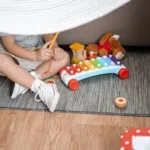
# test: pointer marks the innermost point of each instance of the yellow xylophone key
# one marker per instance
(89, 64)
(83, 66)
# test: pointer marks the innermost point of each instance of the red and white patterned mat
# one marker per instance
(135, 139)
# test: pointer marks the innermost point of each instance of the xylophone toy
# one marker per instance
(71, 75)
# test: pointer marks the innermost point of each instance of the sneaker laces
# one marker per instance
(37, 76)
(41, 90)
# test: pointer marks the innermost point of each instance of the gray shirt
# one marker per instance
(27, 41)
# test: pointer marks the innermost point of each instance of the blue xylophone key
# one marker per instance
(109, 61)
(102, 61)
(117, 62)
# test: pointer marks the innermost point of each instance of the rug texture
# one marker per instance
(96, 94)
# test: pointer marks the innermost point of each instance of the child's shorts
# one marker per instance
(26, 64)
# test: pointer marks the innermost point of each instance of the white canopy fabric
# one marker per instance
(28, 17)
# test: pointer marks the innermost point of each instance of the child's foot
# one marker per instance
(18, 89)
(48, 93)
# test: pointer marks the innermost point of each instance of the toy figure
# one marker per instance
(109, 44)
(79, 53)
(91, 50)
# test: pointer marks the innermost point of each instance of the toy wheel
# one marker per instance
(123, 73)
(73, 84)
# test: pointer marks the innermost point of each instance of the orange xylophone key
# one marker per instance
(83, 66)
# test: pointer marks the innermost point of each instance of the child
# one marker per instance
(26, 59)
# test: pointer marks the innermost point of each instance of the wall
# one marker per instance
(131, 22)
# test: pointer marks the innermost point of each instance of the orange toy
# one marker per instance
(120, 102)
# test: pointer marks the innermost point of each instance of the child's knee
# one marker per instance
(66, 59)
(4, 59)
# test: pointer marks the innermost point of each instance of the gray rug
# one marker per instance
(96, 94)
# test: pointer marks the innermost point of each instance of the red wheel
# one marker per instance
(123, 73)
(73, 84)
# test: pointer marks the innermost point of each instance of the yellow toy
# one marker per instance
(79, 53)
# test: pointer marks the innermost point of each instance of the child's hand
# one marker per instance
(59, 53)
(44, 53)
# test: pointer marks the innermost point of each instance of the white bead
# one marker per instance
(126, 142)
(74, 65)
(121, 136)
(137, 131)
(71, 72)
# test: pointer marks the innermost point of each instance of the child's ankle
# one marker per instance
(36, 83)
(35, 75)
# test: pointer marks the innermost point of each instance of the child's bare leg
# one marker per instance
(55, 67)
(14, 72)
(46, 92)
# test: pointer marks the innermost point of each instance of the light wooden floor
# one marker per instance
(26, 130)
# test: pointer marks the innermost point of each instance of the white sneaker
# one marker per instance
(47, 93)
(18, 89)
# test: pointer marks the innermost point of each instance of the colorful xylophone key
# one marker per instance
(89, 64)
(108, 60)
(117, 62)
(95, 63)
